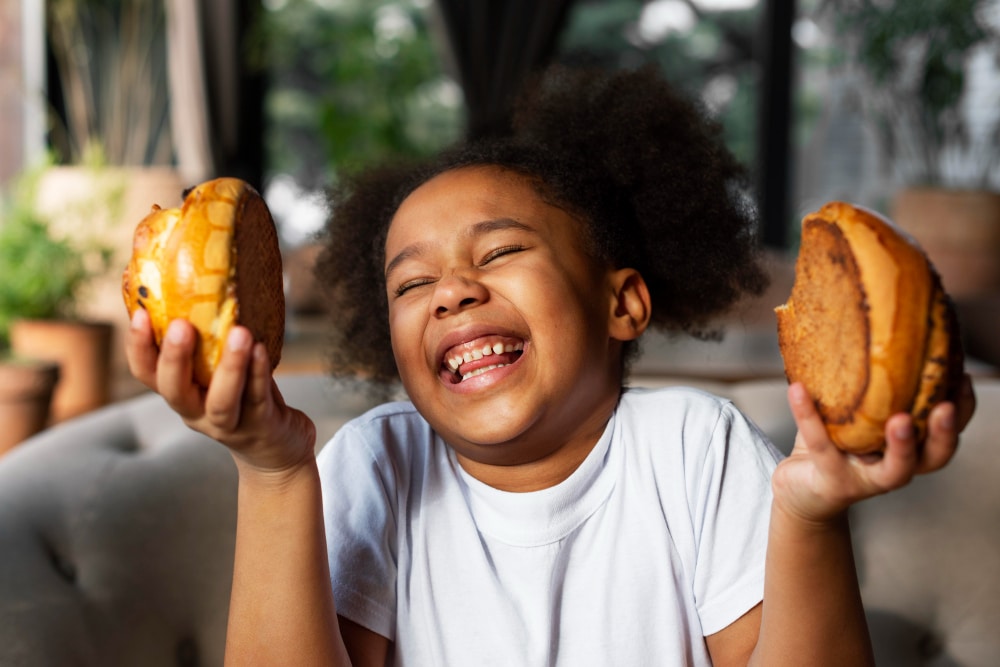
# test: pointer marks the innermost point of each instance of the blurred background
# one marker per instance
(109, 106)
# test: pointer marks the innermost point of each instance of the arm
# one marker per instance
(811, 588)
(282, 609)
(812, 611)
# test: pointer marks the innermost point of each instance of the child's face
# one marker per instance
(479, 267)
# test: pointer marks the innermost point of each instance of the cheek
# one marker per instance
(562, 296)
(405, 333)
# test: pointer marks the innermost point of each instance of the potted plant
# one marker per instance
(111, 133)
(26, 385)
(42, 278)
(915, 60)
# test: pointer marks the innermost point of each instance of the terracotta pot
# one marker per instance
(960, 231)
(83, 352)
(26, 388)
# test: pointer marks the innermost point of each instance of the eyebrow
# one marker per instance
(479, 229)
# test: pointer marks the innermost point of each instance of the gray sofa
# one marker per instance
(116, 537)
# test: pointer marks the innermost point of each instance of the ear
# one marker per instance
(630, 305)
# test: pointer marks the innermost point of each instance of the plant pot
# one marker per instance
(26, 388)
(83, 352)
(960, 231)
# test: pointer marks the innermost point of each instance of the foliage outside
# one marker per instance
(41, 273)
(356, 81)
(352, 83)
(709, 53)
(914, 58)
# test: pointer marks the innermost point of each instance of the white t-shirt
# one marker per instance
(654, 542)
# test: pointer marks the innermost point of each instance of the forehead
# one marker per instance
(478, 187)
(469, 195)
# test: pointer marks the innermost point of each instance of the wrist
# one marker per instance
(805, 497)
(276, 477)
(788, 520)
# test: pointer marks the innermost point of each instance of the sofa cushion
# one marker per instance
(117, 533)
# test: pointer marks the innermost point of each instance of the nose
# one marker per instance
(455, 293)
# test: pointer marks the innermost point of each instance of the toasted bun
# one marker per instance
(215, 262)
(868, 328)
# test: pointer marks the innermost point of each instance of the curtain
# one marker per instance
(190, 118)
(495, 45)
(216, 100)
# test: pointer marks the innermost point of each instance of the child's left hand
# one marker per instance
(818, 481)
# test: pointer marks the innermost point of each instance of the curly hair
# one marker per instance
(639, 164)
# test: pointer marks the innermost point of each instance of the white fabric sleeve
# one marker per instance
(730, 490)
(359, 513)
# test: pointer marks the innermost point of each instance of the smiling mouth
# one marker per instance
(472, 359)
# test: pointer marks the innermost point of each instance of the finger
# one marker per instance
(141, 351)
(260, 393)
(965, 404)
(900, 457)
(812, 431)
(942, 438)
(225, 395)
(174, 372)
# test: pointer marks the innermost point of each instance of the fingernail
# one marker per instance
(175, 332)
(947, 417)
(239, 339)
(903, 431)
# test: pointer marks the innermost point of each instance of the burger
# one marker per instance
(868, 328)
(214, 261)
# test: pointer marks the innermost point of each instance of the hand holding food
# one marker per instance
(868, 328)
(215, 262)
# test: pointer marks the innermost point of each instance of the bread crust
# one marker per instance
(215, 262)
(868, 328)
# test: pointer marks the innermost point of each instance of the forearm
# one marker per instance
(812, 611)
(282, 610)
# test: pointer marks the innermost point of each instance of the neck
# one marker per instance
(554, 467)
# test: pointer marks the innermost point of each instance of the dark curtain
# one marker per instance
(236, 89)
(775, 120)
(217, 95)
(496, 44)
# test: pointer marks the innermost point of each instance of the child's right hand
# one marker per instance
(242, 408)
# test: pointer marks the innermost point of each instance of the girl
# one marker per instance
(522, 508)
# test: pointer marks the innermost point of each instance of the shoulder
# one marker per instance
(380, 421)
(675, 406)
(387, 434)
(689, 423)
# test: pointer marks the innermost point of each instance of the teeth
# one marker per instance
(480, 371)
(454, 363)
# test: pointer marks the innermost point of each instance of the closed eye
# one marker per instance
(499, 252)
(410, 284)
(490, 256)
